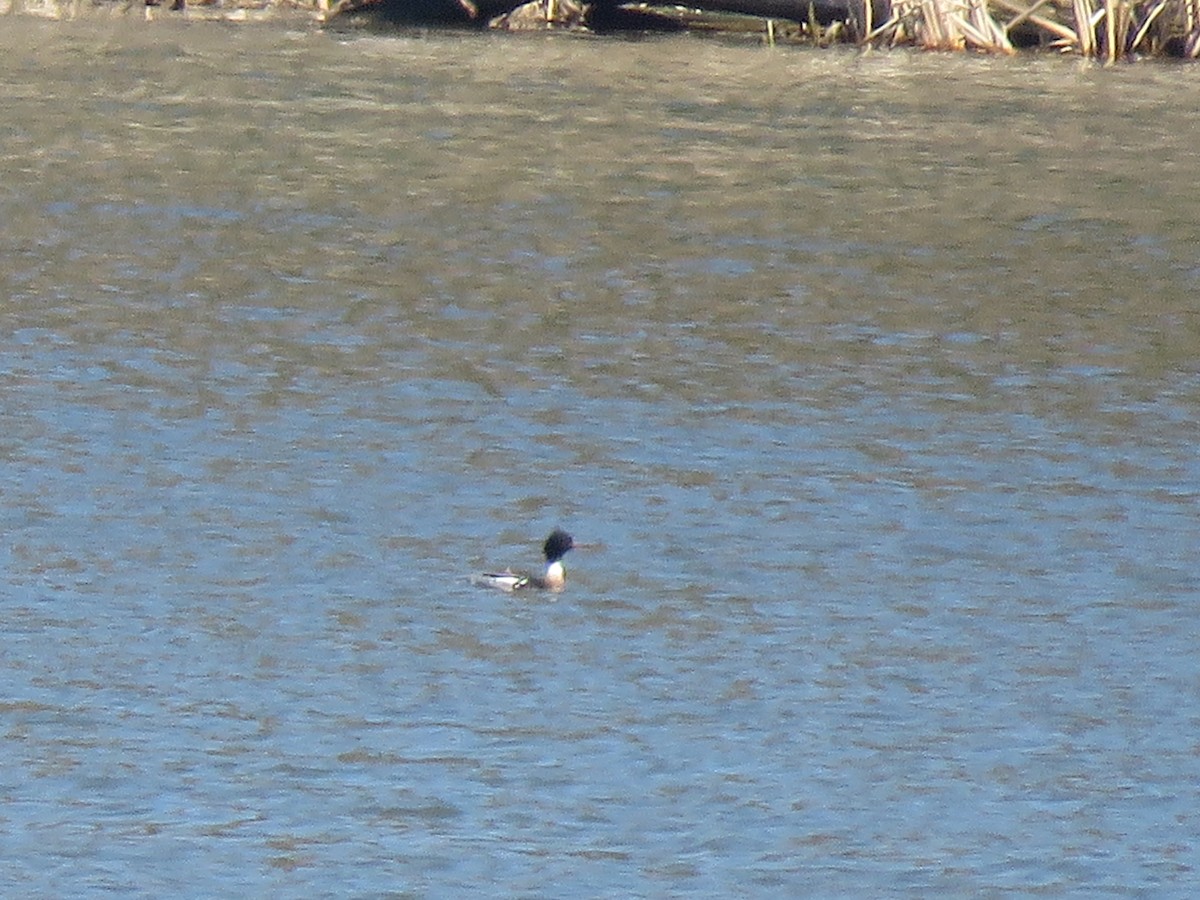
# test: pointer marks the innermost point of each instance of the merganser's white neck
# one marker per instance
(556, 576)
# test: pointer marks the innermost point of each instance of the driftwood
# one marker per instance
(413, 12)
(825, 12)
(483, 12)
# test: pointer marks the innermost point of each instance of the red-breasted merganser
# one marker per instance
(555, 548)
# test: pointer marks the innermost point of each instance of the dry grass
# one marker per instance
(942, 25)
(1113, 30)
(1107, 30)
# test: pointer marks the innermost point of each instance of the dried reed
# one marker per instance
(1112, 30)
(942, 25)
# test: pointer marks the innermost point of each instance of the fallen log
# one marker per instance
(480, 13)
(419, 12)
(825, 12)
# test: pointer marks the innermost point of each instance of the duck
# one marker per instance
(554, 549)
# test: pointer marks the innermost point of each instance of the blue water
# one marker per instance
(890, 586)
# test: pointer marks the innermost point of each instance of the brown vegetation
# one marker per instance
(1108, 30)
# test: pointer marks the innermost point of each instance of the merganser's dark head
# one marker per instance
(557, 545)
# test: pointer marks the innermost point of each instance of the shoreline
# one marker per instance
(1113, 30)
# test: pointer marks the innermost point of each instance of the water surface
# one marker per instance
(871, 380)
